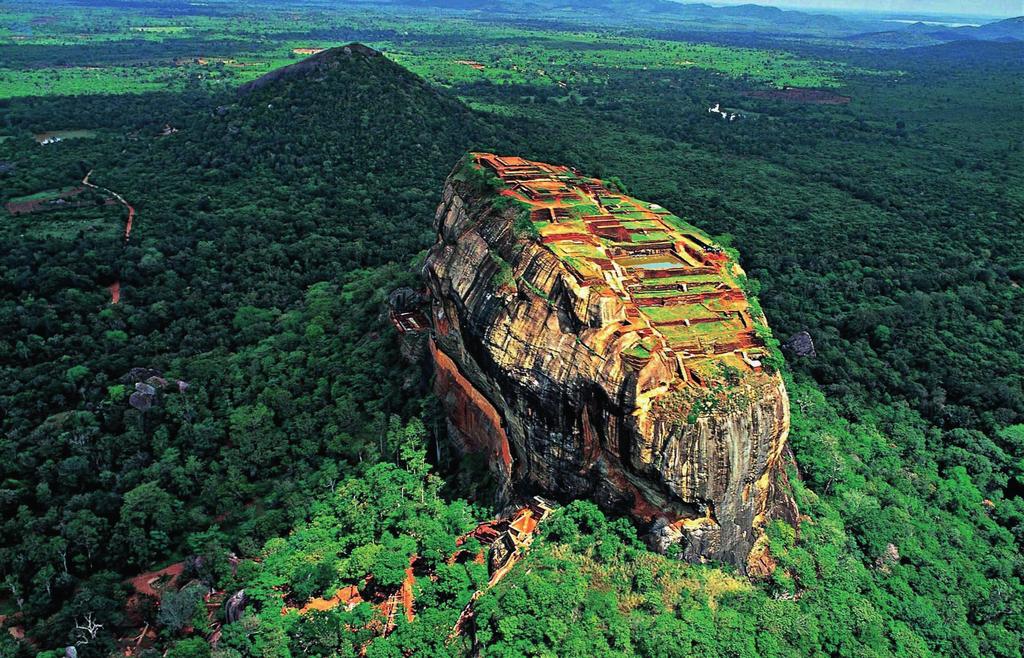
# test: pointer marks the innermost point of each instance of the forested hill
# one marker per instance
(352, 139)
(317, 65)
(243, 278)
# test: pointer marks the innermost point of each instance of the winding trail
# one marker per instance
(115, 287)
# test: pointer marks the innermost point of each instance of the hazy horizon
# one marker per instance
(993, 8)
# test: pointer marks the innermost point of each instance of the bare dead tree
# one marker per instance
(11, 583)
(86, 630)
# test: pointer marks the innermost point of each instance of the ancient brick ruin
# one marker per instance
(670, 285)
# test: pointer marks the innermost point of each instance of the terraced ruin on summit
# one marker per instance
(661, 278)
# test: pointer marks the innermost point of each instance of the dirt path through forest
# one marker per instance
(115, 287)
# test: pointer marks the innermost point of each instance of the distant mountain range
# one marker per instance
(863, 32)
(1010, 30)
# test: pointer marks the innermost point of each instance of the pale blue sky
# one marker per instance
(999, 8)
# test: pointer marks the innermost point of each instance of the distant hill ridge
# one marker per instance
(1011, 29)
(859, 30)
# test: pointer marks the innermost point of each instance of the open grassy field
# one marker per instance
(44, 195)
(57, 50)
(102, 222)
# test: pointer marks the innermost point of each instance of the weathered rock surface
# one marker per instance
(143, 397)
(150, 384)
(404, 300)
(539, 369)
(800, 344)
(234, 606)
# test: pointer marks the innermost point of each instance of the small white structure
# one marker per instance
(728, 116)
(753, 363)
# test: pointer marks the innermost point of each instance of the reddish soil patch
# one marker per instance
(799, 95)
(115, 292)
(128, 224)
(406, 594)
(150, 582)
(471, 64)
(347, 596)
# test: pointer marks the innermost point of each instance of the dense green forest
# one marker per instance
(284, 447)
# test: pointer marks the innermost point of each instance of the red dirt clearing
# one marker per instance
(147, 583)
(473, 64)
(407, 596)
(346, 596)
(128, 224)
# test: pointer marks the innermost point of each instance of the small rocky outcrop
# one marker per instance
(596, 346)
(234, 606)
(800, 344)
(405, 300)
(143, 397)
(150, 384)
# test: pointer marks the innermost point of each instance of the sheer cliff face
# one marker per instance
(594, 346)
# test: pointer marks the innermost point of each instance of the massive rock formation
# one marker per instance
(596, 346)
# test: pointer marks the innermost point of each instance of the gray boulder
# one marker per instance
(235, 606)
(143, 397)
(800, 344)
(404, 300)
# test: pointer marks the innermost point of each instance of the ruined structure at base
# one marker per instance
(596, 346)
